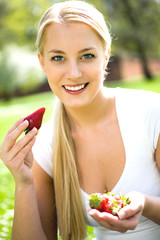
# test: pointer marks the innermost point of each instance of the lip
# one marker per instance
(74, 85)
(75, 92)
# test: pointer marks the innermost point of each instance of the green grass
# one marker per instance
(142, 84)
(14, 109)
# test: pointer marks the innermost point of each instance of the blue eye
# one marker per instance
(88, 56)
(57, 58)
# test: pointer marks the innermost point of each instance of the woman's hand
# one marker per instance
(16, 154)
(128, 217)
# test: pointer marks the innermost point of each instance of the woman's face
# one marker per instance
(74, 61)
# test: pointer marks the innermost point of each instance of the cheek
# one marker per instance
(97, 72)
(52, 81)
(53, 75)
(55, 88)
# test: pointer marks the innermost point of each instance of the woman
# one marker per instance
(99, 139)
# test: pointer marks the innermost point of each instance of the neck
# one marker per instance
(91, 114)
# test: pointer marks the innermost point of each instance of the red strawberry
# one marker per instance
(111, 204)
(97, 201)
(124, 201)
(108, 207)
(35, 119)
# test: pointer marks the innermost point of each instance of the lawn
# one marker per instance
(14, 109)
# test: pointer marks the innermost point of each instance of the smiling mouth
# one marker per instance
(75, 88)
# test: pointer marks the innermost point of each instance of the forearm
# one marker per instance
(152, 208)
(26, 224)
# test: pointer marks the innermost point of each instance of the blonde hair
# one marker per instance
(70, 210)
(74, 11)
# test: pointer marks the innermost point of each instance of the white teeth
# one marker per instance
(74, 88)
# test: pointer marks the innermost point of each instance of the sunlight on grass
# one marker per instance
(6, 202)
(142, 84)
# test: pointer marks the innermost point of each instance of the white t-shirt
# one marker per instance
(138, 114)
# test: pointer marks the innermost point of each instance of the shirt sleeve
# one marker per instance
(42, 149)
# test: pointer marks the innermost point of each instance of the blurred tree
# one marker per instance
(19, 19)
(8, 77)
(136, 25)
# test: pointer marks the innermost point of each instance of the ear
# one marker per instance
(41, 61)
(107, 56)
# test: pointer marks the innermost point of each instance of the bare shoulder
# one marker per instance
(46, 201)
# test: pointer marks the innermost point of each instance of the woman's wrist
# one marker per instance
(152, 208)
(146, 203)
(20, 186)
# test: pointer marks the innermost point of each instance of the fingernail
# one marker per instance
(121, 215)
(34, 129)
(24, 123)
(91, 212)
(21, 118)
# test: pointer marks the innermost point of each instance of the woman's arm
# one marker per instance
(152, 203)
(26, 223)
(17, 156)
(35, 211)
(46, 201)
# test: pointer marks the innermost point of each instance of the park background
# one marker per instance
(134, 63)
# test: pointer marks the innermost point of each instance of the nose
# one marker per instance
(73, 71)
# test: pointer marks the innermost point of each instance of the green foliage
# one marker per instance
(136, 28)
(7, 77)
(135, 22)
(19, 19)
(20, 71)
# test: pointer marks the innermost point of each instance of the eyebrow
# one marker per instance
(81, 51)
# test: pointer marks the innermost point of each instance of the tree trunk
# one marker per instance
(144, 61)
(133, 19)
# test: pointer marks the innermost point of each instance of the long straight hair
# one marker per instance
(70, 209)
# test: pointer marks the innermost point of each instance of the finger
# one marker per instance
(11, 130)
(20, 120)
(103, 217)
(107, 220)
(27, 148)
(12, 137)
(98, 217)
(22, 143)
(111, 222)
(19, 159)
(129, 211)
(131, 222)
